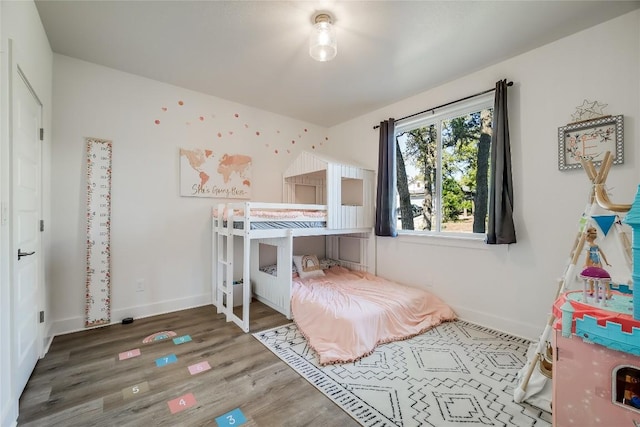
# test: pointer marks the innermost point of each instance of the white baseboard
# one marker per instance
(47, 344)
(47, 339)
(509, 326)
(9, 414)
(75, 324)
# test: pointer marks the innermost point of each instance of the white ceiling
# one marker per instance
(256, 52)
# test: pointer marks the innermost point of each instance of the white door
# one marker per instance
(26, 214)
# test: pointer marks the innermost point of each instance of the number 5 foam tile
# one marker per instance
(135, 390)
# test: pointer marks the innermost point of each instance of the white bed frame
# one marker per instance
(344, 192)
(274, 291)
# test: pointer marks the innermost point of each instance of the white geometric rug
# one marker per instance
(456, 374)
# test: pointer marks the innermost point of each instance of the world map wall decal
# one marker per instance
(203, 174)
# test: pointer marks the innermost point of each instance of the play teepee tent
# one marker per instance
(600, 213)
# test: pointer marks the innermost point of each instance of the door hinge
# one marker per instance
(42, 225)
(41, 134)
(42, 317)
(4, 213)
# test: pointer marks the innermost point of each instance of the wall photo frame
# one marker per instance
(591, 139)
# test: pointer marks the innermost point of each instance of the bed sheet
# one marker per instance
(277, 218)
(271, 225)
(275, 214)
(345, 314)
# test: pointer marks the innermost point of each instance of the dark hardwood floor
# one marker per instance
(82, 382)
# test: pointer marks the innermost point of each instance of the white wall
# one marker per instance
(512, 288)
(156, 235)
(20, 22)
(164, 239)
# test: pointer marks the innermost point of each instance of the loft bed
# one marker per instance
(324, 198)
(343, 313)
(273, 224)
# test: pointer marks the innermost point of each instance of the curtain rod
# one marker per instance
(447, 104)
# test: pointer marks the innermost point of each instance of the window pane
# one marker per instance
(451, 196)
(466, 142)
(417, 178)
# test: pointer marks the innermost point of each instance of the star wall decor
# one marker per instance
(588, 110)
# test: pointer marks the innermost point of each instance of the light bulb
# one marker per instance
(322, 43)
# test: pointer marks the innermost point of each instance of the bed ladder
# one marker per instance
(223, 256)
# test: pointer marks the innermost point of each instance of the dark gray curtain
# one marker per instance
(385, 197)
(500, 228)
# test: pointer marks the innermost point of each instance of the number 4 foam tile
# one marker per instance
(181, 403)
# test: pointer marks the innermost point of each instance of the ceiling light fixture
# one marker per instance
(322, 43)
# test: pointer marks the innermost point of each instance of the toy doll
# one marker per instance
(594, 254)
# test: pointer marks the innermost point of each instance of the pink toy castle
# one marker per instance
(596, 371)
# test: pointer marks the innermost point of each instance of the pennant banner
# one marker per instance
(605, 222)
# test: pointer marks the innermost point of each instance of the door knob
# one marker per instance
(21, 254)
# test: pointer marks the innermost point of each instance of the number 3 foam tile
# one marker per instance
(129, 354)
(181, 403)
(233, 418)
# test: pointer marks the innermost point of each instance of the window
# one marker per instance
(443, 169)
(627, 386)
(352, 193)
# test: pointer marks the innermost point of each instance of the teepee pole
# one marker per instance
(626, 244)
(598, 197)
(578, 245)
(520, 391)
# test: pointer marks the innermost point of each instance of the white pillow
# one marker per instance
(307, 266)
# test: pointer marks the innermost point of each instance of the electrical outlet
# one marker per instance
(140, 285)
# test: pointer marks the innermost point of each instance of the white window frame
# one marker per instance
(437, 117)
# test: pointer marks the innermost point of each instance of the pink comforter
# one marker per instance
(346, 314)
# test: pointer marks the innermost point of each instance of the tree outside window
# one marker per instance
(442, 170)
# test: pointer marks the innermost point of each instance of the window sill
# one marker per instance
(458, 240)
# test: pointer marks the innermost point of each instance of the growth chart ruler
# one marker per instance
(98, 287)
